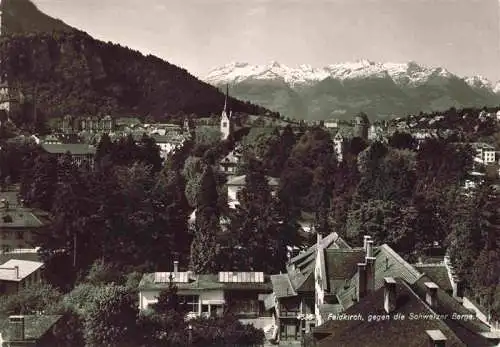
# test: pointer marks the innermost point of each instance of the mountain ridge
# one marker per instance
(362, 68)
(63, 70)
(379, 89)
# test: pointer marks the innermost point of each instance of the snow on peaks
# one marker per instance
(401, 73)
(496, 88)
(478, 82)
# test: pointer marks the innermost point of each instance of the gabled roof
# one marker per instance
(448, 305)
(438, 273)
(8, 271)
(35, 326)
(282, 286)
(392, 332)
(387, 264)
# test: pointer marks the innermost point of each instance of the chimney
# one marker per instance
(16, 268)
(16, 324)
(389, 294)
(369, 249)
(366, 238)
(436, 338)
(431, 294)
(361, 281)
(318, 238)
(370, 274)
(176, 267)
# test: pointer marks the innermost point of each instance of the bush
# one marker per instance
(32, 300)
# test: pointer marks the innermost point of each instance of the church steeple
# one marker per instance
(227, 96)
(226, 125)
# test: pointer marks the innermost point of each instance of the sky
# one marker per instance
(198, 35)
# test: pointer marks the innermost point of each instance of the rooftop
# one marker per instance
(240, 181)
(390, 332)
(8, 271)
(35, 326)
(19, 218)
(73, 148)
(190, 281)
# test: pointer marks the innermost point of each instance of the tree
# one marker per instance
(150, 153)
(402, 140)
(31, 300)
(110, 319)
(104, 149)
(261, 234)
(205, 249)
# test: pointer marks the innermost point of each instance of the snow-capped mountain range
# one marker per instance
(401, 73)
(379, 89)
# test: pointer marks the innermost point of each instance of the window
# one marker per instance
(224, 124)
(245, 307)
(190, 302)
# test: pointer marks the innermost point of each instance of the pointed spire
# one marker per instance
(225, 101)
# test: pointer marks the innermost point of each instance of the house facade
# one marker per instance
(239, 293)
(485, 153)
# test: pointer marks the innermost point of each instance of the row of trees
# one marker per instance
(408, 196)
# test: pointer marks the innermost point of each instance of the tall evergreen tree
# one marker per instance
(205, 249)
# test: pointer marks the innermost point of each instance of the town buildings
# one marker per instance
(332, 279)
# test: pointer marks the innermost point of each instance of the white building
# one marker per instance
(485, 153)
(226, 120)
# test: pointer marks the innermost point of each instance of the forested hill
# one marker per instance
(69, 72)
(22, 16)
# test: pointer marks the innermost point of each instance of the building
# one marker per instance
(18, 224)
(239, 293)
(361, 126)
(293, 301)
(29, 330)
(332, 278)
(226, 120)
(236, 184)
(168, 142)
(18, 274)
(485, 153)
(73, 125)
(228, 165)
(82, 154)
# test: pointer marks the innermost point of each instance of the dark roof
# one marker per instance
(448, 305)
(36, 326)
(282, 287)
(438, 274)
(392, 332)
(205, 282)
(20, 218)
(73, 148)
(387, 264)
(300, 269)
(342, 263)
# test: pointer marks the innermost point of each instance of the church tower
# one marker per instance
(226, 121)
